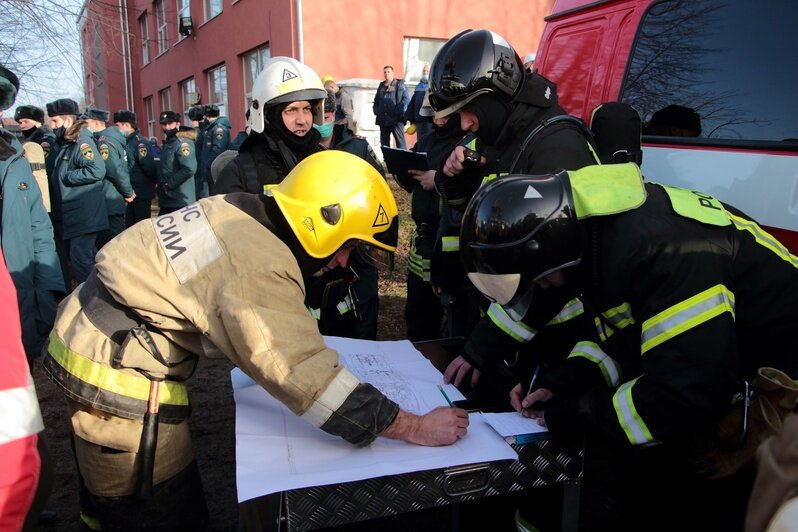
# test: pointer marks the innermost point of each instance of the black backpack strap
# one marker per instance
(559, 119)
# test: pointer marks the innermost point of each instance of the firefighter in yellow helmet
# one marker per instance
(222, 277)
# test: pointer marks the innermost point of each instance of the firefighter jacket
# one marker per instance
(141, 166)
(524, 146)
(19, 415)
(178, 166)
(698, 295)
(26, 237)
(77, 197)
(262, 162)
(181, 285)
(116, 185)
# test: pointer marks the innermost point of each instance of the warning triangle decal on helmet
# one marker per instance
(382, 218)
(531, 193)
(287, 74)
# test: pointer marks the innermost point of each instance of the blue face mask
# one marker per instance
(326, 129)
(424, 79)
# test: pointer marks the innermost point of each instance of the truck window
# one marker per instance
(724, 70)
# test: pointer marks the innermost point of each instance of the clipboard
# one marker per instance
(399, 161)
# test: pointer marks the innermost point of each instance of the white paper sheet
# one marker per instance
(277, 451)
(513, 424)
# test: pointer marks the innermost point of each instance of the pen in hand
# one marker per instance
(445, 396)
(534, 379)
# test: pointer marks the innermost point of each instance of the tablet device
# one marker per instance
(399, 162)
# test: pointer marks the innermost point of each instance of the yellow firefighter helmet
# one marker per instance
(333, 197)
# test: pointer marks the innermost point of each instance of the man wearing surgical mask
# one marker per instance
(340, 137)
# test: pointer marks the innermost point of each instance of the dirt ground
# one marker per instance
(213, 415)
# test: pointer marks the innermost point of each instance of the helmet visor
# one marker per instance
(499, 288)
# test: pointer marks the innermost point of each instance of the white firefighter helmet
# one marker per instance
(286, 80)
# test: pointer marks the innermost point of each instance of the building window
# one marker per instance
(150, 116)
(99, 77)
(165, 97)
(183, 10)
(212, 8)
(144, 32)
(217, 85)
(188, 90)
(416, 52)
(160, 23)
(254, 62)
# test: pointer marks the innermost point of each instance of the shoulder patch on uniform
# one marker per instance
(104, 151)
(219, 133)
(87, 152)
(45, 145)
(185, 149)
(22, 185)
(142, 150)
(188, 240)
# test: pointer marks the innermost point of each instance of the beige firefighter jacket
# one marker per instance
(211, 280)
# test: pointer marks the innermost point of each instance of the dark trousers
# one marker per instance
(62, 249)
(423, 310)
(366, 290)
(398, 132)
(176, 504)
(138, 211)
(116, 224)
(82, 249)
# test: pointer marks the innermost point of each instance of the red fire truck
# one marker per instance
(715, 82)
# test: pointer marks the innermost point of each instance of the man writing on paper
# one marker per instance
(221, 277)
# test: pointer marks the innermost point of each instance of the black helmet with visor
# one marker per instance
(472, 63)
(515, 231)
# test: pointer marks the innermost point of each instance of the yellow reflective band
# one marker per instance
(632, 424)
(685, 315)
(602, 330)
(571, 310)
(620, 316)
(345, 305)
(450, 243)
(266, 189)
(112, 380)
(315, 313)
(490, 177)
(592, 352)
(600, 190)
(519, 331)
(764, 238)
(593, 153)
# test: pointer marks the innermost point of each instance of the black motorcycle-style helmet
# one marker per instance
(472, 63)
(516, 230)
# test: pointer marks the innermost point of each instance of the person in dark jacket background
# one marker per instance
(141, 167)
(423, 309)
(422, 122)
(366, 289)
(390, 103)
(31, 122)
(116, 185)
(216, 139)
(178, 165)
(76, 196)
